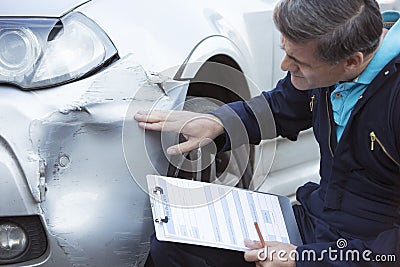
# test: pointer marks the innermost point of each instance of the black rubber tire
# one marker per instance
(234, 165)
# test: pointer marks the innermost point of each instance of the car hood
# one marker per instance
(38, 8)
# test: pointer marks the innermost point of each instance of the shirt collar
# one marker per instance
(388, 49)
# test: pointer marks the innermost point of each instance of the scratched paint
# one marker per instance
(96, 214)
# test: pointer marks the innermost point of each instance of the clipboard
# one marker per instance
(214, 215)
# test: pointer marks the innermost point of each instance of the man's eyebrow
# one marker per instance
(298, 61)
(295, 59)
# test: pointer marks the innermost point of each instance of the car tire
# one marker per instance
(232, 168)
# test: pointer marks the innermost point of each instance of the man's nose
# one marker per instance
(288, 64)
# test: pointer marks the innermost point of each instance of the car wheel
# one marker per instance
(232, 168)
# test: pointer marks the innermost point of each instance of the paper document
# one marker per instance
(213, 215)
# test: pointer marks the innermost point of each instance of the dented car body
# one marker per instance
(65, 165)
(73, 74)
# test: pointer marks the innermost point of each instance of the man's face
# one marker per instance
(307, 70)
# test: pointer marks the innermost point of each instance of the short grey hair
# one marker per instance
(341, 27)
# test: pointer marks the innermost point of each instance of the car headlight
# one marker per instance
(13, 241)
(37, 53)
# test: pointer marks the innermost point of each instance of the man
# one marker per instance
(343, 80)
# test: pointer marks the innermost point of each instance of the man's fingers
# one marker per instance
(273, 243)
(252, 255)
(153, 111)
(198, 129)
(158, 126)
(183, 147)
(164, 126)
(252, 244)
(151, 116)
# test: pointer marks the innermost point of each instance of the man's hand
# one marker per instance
(278, 254)
(198, 129)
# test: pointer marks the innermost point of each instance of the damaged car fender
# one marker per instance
(91, 202)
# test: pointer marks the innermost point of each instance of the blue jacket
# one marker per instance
(358, 198)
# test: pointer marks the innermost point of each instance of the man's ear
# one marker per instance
(354, 62)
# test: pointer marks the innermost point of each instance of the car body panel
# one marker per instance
(389, 5)
(164, 47)
(94, 202)
(39, 8)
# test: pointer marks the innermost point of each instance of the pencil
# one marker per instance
(259, 234)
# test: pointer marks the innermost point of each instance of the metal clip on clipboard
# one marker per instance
(162, 219)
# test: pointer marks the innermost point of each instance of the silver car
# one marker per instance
(73, 161)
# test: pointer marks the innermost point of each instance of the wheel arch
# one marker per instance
(220, 78)
(217, 61)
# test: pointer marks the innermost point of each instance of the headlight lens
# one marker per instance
(19, 50)
(13, 241)
(37, 53)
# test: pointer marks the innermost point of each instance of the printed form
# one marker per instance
(214, 215)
